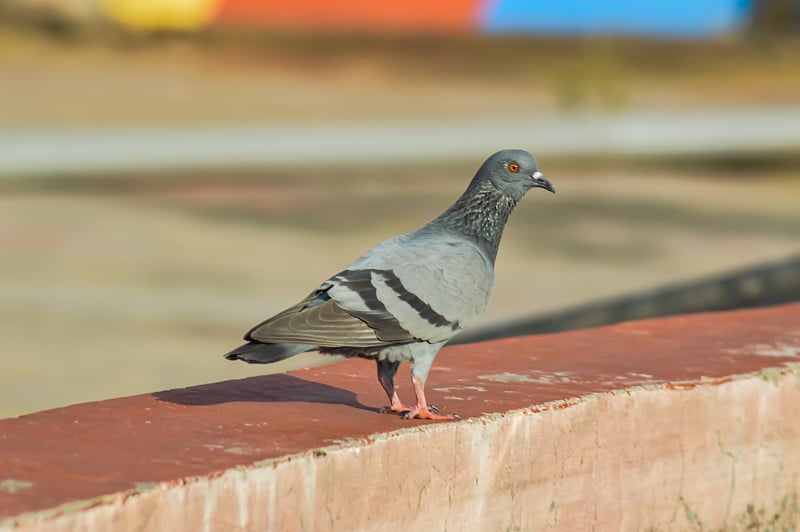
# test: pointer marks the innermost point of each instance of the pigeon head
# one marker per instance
(513, 172)
(481, 213)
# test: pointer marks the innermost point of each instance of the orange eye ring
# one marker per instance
(514, 167)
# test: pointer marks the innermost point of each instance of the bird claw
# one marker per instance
(428, 413)
(431, 412)
(394, 410)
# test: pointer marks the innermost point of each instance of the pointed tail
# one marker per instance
(258, 353)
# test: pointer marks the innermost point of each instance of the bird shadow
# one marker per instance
(278, 388)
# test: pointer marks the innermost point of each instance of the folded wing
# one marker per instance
(425, 289)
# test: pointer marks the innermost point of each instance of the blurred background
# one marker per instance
(174, 171)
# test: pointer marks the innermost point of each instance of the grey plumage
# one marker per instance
(404, 298)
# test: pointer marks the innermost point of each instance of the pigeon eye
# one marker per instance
(514, 167)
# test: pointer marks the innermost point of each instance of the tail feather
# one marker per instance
(258, 353)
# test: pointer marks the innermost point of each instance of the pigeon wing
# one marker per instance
(317, 320)
(430, 288)
(403, 290)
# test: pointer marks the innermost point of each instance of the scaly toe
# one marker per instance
(425, 413)
(395, 410)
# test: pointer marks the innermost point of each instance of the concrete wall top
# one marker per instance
(66, 460)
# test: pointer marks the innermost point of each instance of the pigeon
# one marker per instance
(406, 297)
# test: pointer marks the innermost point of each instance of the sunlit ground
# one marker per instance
(236, 79)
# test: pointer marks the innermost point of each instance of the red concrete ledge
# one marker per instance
(679, 423)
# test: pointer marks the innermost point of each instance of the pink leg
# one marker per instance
(396, 406)
(422, 410)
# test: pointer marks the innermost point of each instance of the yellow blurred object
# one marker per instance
(161, 14)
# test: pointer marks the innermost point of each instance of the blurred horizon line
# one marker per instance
(66, 151)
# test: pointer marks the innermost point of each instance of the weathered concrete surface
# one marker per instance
(676, 423)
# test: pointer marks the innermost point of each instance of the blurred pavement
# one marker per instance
(653, 133)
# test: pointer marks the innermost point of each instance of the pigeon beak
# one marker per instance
(540, 181)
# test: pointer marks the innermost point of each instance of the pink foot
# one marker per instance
(426, 413)
(422, 410)
(395, 409)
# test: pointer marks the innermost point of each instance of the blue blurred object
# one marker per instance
(677, 18)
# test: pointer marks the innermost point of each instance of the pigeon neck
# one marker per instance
(480, 214)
